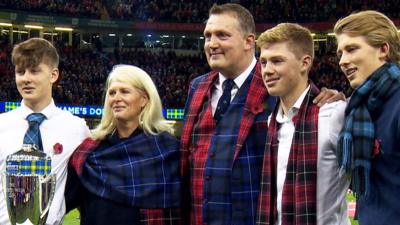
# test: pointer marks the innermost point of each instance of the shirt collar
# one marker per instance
(48, 111)
(239, 80)
(281, 118)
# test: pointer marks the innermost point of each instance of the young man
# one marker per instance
(36, 62)
(300, 183)
(369, 52)
(225, 128)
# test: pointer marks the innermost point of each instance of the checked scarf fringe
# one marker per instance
(356, 141)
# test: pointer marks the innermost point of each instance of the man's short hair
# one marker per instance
(375, 27)
(32, 52)
(246, 20)
(299, 38)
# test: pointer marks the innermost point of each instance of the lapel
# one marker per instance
(256, 96)
(196, 104)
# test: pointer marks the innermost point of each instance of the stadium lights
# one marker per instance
(63, 29)
(33, 26)
(111, 35)
(320, 39)
(201, 38)
(331, 34)
(52, 34)
(6, 24)
(183, 36)
(129, 35)
(313, 34)
(20, 31)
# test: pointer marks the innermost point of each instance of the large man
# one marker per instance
(369, 52)
(225, 128)
(38, 121)
(300, 183)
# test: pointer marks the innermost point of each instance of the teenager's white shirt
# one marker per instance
(59, 127)
(332, 185)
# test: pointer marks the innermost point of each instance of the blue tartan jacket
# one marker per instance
(232, 197)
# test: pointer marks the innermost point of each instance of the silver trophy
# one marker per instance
(29, 186)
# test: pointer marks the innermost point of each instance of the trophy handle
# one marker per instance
(48, 183)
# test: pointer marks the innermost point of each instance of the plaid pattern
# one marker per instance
(221, 164)
(28, 167)
(142, 171)
(161, 217)
(300, 187)
(32, 135)
(356, 141)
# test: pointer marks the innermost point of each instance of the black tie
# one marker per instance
(225, 100)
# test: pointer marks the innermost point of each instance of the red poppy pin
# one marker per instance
(57, 148)
(377, 148)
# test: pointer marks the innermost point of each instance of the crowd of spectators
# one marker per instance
(264, 11)
(194, 11)
(84, 71)
(69, 8)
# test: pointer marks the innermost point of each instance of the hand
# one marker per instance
(328, 95)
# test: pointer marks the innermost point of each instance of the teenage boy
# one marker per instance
(369, 52)
(38, 121)
(300, 183)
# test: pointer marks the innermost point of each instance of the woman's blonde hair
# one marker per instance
(151, 119)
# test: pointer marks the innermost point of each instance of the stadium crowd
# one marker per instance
(83, 72)
(193, 11)
(70, 8)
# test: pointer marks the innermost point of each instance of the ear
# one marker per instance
(55, 73)
(384, 52)
(144, 100)
(306, 62)
(250, 41)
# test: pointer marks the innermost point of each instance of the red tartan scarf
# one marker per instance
(300, 187)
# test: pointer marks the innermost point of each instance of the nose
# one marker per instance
(344, 60)
(116, 96)
(267, 69)
(26, 76)
(213, 42)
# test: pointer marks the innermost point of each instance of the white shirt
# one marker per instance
(332, 185)
(239, 80)
(59, 127)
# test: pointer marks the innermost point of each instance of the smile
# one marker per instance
(271, 81)
(350, 72)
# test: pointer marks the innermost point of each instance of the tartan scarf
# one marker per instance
(140, 171)
(300, 187)
(357, 143)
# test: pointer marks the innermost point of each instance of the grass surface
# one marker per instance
(72, 218)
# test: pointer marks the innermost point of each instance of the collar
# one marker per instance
(239, 80)
(114, 138)
(281, 118)
(48, 111)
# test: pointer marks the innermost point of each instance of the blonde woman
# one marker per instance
(127, 171)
